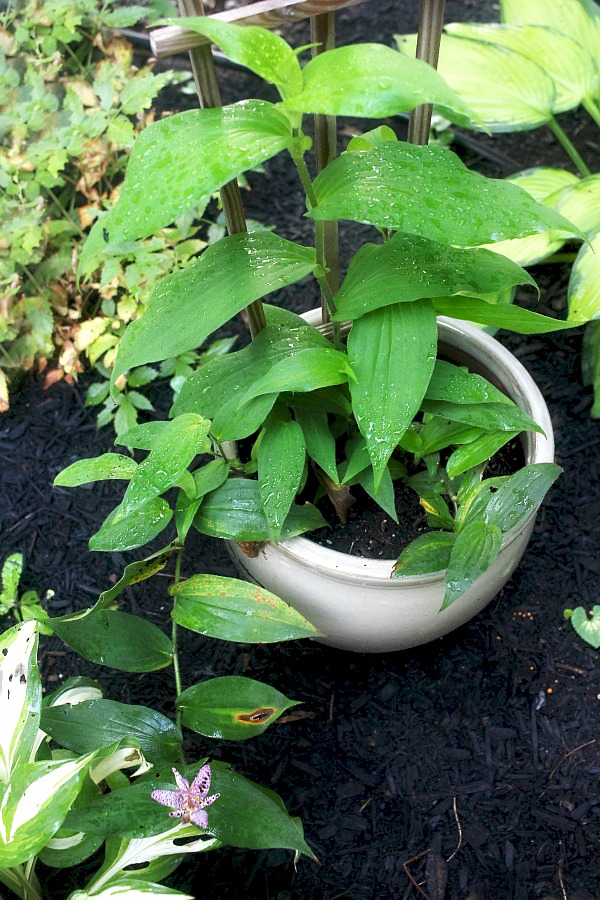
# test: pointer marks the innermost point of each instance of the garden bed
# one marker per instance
(474, 759)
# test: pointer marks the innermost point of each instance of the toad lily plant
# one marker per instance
(315, 413)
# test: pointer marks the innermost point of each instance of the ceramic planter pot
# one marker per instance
(354, 601)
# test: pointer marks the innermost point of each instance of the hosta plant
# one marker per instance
(317, 412)
(79, 772)
(541, 60)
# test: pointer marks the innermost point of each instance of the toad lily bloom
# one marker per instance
(189, 802)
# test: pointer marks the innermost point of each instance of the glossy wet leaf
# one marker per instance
(506, 90)
(377, 82)
(383, 495)
(95, 724)
(580, 203)
(489, 416)
(141, 437)
(477, 451)
(520, 494)
(207, 479)
(139, 571)
(84, 471)
(306, 370)
(260, 50)
(437, 434)
(590, 363)
(118, 640)
(457, 385)
(178, 161)
(125, 530)
(570, 66)
(231, 708)
(229, 275)
(131, 889)
(35, 804)
(393, 349)
(281, 456)
(498, 315)
(584, 284)
(475, 549)
(217, 389)
(20, 696)
(235, 511)
(409, 267)
(320, 443)
(586, 626)
(579, 19)
(235, 610)
(398, 185)
(544, 184)
(426, 554)
(371, 138)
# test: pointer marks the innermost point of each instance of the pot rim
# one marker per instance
(522, 389)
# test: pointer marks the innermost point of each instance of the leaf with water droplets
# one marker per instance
(85, 471)
(579, 19)
(499, 315)
(584, 283)
(281, 455)
(426, 554)
(520, 494)
(475, 549)
(127, 529)
(231, 708)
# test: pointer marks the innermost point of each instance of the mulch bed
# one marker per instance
(467, 768)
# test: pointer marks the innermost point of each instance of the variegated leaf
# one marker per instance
(20, 696)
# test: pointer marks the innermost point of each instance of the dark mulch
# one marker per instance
(470, 766)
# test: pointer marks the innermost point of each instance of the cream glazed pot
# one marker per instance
(354, 601)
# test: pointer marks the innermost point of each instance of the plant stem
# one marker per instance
(321, 277)
(431, 21)
(560, 136)
(311, 197)
(207, 86)
(322, 33)
(176, 670)
(66, 214)
(591, 107)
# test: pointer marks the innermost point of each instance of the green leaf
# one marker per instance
(123, 530)
(320, 444)
(35, 804)
(477, 451)
(393, 348)
(207, 479)
(264, 53)
(586, 628)
(520, 494)
(438, 434)
(580, 203)
(281, 456)
(506, 90)
(399, 185)
(130, 888)
(12, 569)
(475, 549)
(457, 385)
(95, 724)
(371, 138)
(20, 696)
(178, 161)
(570, 67)
(228, 276)
(377, 82)
(234, 610)
(231, 708)
(426, 554)
(142, 437)
(118, 640)
(138, 571)
(584, 283)
(590, 363)
(489, 416)
(579, 19)
(383, 494)
(499, 315)
(408, 268)
(235, 512)
(84, 471)
(303, 371)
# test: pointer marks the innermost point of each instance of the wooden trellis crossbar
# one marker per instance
(268, 13)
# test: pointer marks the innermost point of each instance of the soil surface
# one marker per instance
(463, 770)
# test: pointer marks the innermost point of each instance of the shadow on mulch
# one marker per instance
(466, 769)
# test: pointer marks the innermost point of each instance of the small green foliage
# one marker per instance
(587, 625)
(25, 606)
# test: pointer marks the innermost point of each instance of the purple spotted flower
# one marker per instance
(189, 802)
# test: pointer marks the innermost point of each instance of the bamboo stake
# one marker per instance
(205, 77)
(428, 49)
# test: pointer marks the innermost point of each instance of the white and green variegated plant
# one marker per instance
(543, 59)
(79, 771)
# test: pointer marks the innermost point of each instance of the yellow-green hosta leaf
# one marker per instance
(506, 90)
(590, 363)
(373, 81)
(570, 66)
(20, 696)
(35, 804)
(131, 889)
(544, 184)
(586, 627)
(579, 19)
(580, 203)
(260, 50)
(584, 283)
